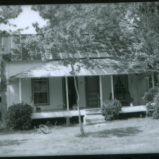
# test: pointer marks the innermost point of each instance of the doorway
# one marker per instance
(121, 89)
(92, 92)
(71, 93)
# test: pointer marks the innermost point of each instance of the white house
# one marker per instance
(49, 85)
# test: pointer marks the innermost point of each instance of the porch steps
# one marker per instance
(93, 111)
(93, 119)
(93, 116)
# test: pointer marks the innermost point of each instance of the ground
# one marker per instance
(136, 135)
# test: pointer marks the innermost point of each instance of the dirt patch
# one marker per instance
(118, 132)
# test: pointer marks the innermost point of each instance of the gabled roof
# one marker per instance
(105, 66)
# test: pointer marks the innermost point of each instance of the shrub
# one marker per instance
(19, 116)
(150, 108)
(111, 109)
(156, 114)
(150, 94)
(156, 107)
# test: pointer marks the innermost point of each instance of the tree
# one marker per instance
(88, 29)
(144, 34)
(6, 13)
(126, 30)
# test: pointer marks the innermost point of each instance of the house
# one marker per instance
(49, 87)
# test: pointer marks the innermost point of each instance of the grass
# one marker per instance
(136, 135)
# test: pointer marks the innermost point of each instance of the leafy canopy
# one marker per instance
(124, 30)
(8, 12)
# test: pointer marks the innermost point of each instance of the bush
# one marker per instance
(150, 94)
(150, 108)
(156, 107)
(111, 109)
(19, 116)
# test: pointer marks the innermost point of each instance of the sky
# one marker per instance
(25, 20)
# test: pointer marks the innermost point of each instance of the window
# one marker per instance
(40, 91)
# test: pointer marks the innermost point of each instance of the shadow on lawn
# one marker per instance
(118, 132)
(11, 142)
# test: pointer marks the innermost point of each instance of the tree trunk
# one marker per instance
(3, 109)
(3, 93)
(78, 107)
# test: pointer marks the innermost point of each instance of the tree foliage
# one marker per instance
(146, 35)
(80, 29)
(125, 30)
(8, 12)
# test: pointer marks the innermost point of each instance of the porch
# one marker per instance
(57, 114)
(89, 115)
(57, 94)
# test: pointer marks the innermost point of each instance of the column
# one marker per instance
(67, 97)
(67, 101)
(20, 90)
(101, 91)
(112, 86)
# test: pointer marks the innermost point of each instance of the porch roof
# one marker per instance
(106, 66)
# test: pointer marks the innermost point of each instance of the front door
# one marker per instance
(71, 92)
(121, 89)
(92, 91)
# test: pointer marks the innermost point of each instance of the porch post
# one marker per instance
(20, 90)
(101, 91)
(112, 86)
(153, 81)
(67, 98)
(67, 101)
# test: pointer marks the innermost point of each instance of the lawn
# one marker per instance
(136, 135)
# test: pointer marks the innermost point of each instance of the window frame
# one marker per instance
(33, 92)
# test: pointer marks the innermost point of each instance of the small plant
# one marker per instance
(19, 116)
(156, 107)
(150, 94)
(38, 109)
(150, 108)
(111, 109)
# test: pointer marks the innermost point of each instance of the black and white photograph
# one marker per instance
(79, 79)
